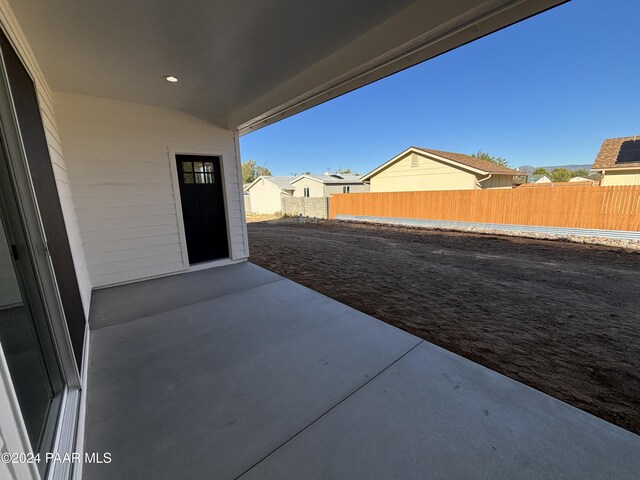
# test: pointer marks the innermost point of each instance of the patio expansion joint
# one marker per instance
(328, 411)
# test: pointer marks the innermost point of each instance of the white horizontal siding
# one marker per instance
(124, 264)
(52, 134)
(108, 178)
(134, 253)
(60, 174)
(98, 213)
(132, 164)
(81, 191)
(127, 234)
(147, 271)
(120, 174)
(106, 201)
(98, 248)
(124, 222)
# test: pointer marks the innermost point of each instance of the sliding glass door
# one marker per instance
(25, 333)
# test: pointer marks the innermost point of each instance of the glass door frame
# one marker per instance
(30, 291)
(23, 194)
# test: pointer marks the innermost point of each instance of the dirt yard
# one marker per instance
(563, 318)
(257, 217)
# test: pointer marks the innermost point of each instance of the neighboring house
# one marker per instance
(328, 184)
(581, 179)
(265, 193)
(417, 169)
(539, 178)
(619, 161)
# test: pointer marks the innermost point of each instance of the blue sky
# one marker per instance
(545, 91)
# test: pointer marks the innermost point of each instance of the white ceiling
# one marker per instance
(236, 59)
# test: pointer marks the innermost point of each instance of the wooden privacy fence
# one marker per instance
(593, 207)
(590, 183)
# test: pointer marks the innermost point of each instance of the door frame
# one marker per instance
(66, 424)
(204, 152)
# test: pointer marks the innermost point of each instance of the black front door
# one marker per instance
(202, 198)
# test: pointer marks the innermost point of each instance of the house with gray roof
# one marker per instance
(326, 185)
(538, 178)
(266, 193)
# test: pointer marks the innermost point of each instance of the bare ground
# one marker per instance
(563, 318)
(262, 217)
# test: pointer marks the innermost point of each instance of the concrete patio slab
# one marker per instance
(260, 377)
(207, 390)
(436, 415)
(110, 306)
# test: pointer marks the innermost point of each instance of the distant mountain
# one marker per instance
(528, 169)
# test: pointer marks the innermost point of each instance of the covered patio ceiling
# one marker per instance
(246, 64)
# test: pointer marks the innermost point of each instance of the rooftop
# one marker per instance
(476, 164)
(473, 162)
(339, 178)
(282, 182)
(618, 153)
(536, 177)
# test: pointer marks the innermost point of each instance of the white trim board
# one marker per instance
(82, 409)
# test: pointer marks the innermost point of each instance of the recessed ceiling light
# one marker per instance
(170, 78)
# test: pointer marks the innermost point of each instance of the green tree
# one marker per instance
(343, 170)
(560, 175)
(251, 171)
(262, 171)
(248, 171)
(580, 172)
(490, 158)
(541, 171)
